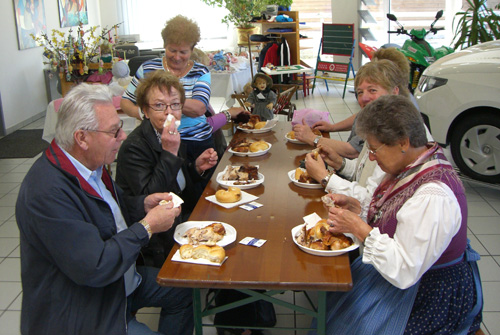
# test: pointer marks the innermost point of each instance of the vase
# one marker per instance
(244, 34)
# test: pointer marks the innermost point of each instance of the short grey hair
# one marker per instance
(391, 118)
(77, 111)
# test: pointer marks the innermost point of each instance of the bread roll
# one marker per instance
(260, 125)
(214, 253)
(232, 194)
(258, 146)
(291, 135)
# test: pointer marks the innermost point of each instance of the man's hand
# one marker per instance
(160, 217)
(206, 160)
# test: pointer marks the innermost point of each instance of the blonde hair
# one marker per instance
(384, 73)
(395, 56)
(180, 30)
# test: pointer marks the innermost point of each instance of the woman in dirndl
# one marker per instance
(417, 273)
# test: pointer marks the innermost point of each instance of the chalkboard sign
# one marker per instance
(337, 39)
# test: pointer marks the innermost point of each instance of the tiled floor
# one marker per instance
(484, 229)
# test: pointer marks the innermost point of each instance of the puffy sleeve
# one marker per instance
(426, 224)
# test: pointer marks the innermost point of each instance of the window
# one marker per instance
(147, 18)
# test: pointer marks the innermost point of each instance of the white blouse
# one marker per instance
(426, 224)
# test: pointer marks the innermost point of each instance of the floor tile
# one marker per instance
(489, 269)
(8, 200)
(491, 295)
(477, 246)
(8, 293)
(481, 209)
(10, 270)
(484, 225)
(7, 187)
(6, 213)
(7, 245)
(491, 321)
(10, 323)
(12, 177)
(17, 303)
(9, 229)
(490, 242)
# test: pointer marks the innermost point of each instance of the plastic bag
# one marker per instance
(310, 116)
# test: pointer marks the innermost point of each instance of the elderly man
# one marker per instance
(80, 237)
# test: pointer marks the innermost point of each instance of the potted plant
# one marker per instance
(241, 13)
(475, 25)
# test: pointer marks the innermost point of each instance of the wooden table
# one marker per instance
(278, 265)
(291, 69)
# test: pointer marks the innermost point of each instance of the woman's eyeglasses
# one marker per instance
(374, 151)
(161, 107)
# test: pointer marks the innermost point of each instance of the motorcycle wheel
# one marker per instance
(475, 147)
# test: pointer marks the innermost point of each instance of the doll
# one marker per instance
(262, 99)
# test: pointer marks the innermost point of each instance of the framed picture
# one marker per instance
(30, 19)
(73, 12)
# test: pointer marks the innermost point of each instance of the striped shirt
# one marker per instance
(196, 86)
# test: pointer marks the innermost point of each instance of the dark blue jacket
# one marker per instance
(72, 259)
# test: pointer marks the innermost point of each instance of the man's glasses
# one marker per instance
(114, 132)
(374, 152)
(161, 107)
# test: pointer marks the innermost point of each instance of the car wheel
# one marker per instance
(475, 147)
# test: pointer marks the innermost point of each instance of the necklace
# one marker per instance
(178, 74)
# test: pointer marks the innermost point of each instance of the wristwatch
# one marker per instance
(316, 140)
(325, 180)
(147, 227)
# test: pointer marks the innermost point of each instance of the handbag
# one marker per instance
(259, 313)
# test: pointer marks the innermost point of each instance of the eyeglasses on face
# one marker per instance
(115, 133)
(374, 151)
(161, 107)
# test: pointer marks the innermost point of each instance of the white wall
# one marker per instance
(22, 84)
(346, 11)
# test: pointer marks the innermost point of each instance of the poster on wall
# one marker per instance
(30, 19)
(73, 12)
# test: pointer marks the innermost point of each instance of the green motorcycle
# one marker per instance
(418, 51)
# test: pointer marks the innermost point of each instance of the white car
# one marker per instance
(459, 97)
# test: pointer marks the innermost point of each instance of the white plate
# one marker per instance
(293, 140)
(291, 175)
(227, 183)
(269, 125)
(177, 258)
(245, 197)
(181, 229)
(296, 230)
(251, 154)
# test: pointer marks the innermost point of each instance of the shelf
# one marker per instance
(366, 16)
(367, 34)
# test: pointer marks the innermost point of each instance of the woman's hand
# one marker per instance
(206, 160)
(235, 111)
(171, 139)
(316, 168)
(322, 126)
(345, 202)
(330, 156)
(344, 221)
(304, 133)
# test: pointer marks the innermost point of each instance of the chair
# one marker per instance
(241, 98)
(127, 51)
(135, 62)
(283, 105)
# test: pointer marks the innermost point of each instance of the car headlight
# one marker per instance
(427, 83)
